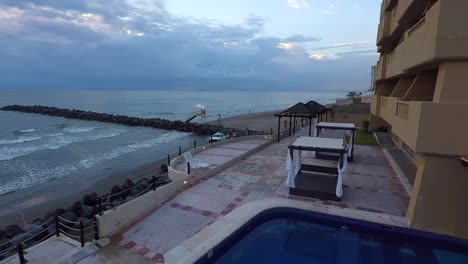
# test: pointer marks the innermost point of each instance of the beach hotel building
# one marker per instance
(421, 97)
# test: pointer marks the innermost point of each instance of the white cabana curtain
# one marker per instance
(293, 168)
(314, 126)
(349, 134)
(341, 175)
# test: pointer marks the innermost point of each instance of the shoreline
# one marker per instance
(37, 201)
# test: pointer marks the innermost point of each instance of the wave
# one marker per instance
(27, 130)
(18, 140)
(117, 152)
(35, 176)
(11, 152)
(78, 129)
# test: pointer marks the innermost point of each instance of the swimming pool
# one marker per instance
(286, 235)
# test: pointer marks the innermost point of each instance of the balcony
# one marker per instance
(440, 35)
(375, 105)
(380, 68)
(427, 127)
(393, 68)
(384, 27)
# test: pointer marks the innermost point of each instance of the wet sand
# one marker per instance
(37, 201)
(255, 121)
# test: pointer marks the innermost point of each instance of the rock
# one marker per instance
(19, 238)
(38, 221)
(70, 217)
(12, 230)
(77, 207)
(87, 212)
(198, 129)
(115, 192)
(87, 200)
(4, 244)
(37, 232)
(60, 211)
(94, 199)
(163, 168)
(2, 235)
(85, 220)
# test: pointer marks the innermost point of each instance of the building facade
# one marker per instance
(421, 98)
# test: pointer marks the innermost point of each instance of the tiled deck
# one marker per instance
(221, 154)
(371, 185)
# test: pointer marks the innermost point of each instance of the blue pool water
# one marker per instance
(293, 236)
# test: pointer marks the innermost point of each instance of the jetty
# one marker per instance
(195, 128)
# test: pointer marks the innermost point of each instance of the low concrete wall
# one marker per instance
(116, 218)
(175, 174)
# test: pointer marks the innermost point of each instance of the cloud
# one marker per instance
(298, 4)
(347, 44)
(139, 44)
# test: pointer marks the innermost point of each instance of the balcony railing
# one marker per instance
(380, 68)
(375, 105)
(402, 110)
(384, 27)
(424, 126)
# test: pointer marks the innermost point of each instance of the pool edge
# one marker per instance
(198, 245)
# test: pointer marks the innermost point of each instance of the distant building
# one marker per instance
(421, 97)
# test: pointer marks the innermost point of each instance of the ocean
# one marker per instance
(37, 152)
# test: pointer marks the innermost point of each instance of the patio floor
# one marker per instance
(371, 185)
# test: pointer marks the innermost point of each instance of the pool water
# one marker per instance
(303, 237)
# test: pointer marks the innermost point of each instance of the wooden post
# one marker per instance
(310, 126)
(180, 151)
(57, 226)
(279, 128)
(95, 228)
(168, 160)
(294, 126)
(20, 249)
(352, 145)
(194, 144)
(153, 183)
(290, 125)
(100, 205)
(188, 168)
(82, 233)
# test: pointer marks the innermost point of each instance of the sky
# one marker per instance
(315, 45)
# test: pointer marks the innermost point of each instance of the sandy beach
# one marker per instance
(41, 199)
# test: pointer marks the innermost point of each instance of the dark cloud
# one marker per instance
(138, 44)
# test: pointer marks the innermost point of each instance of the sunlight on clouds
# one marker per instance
(87, 15)
(297, 4)
(231, 44)
(286, 45)
(316, 56)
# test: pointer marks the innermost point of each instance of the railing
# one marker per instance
(82, 231)
(416, 27)
(111, 200)
(402, 110)
(383, 102)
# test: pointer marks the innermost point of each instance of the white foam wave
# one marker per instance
(54, 135)
(10, 152)
(27, 130)
(78, 129)
(18, 140)
(34, 176)
(117, 152)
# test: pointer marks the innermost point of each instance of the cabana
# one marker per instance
(350, 131)
(300, 110)
(317, 181)
(321, 109)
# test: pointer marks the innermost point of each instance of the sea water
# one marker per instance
(36, 150)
